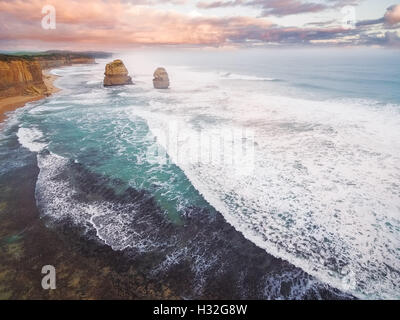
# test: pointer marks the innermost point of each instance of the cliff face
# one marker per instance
(60, 60)
(20, 76)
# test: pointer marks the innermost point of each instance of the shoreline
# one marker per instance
(86, 268)
(9, 104)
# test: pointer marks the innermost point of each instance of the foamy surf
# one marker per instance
(31, 138)
(62, 196)
(235, 76)
(323, 194)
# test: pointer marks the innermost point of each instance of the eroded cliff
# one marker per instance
(56, 60)
(20, 76)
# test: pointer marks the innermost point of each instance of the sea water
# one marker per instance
(320, 192)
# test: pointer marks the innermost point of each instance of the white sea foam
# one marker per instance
(57, 199)
(56, 72)
(98, 81)
(235, 76)
(121, 225)
(324, 194)
(31, 138)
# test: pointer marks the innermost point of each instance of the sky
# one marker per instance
(122, 24)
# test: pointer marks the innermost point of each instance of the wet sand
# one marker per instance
(49, 82)
(12, 103)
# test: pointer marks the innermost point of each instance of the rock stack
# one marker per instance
(116, 74)
(161, 79)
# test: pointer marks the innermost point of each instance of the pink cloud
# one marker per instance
(277, 7)
(117, 22)
(121, 23)
(392, 15)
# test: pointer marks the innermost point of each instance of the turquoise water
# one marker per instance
(320, 190)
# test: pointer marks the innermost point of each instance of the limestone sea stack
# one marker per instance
(161, 79)
(116, 74)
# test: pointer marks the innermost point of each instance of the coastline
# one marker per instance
(48, 80)
(9, 104)
(90, 269)
(86, 268)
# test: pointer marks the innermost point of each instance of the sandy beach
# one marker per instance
(11, 103)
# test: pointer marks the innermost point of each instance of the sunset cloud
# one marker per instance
(269, 7)
(390, 19)
(278, 7)
(121, 23)
(115, 24)
(392, 15)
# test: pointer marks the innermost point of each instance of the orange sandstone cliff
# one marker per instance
(61, 60)
(20, 76)
(22, 79)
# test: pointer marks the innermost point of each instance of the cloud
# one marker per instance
(322, 23)
(278, 7)
(114, 23)
(388, 39)
(370, 22)
(392, 15)
(120, 23)
(390, 19)
(269, 7)
(124, 23)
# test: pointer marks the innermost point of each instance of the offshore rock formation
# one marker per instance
(116, 74)
(20, 76)
(161, 79)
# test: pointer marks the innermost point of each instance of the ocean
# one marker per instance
(260, 173)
